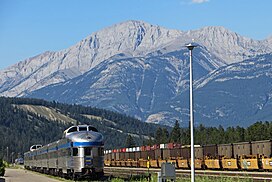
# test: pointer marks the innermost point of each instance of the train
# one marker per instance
(78, 154)
(254, 155)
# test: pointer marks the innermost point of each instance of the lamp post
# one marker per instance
(191, 47)
(7, 154)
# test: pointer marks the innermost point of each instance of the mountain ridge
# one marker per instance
(85, 55)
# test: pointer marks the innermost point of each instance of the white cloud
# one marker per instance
(199, 1)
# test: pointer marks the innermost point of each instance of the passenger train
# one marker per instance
(79, 154)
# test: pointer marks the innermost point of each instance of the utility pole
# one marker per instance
(191, 47)
(7, 154)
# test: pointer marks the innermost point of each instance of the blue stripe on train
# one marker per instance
(86, 144)
(66, 145)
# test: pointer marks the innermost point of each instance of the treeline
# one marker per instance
(214, 135)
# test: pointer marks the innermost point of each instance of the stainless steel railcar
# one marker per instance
(80, 153)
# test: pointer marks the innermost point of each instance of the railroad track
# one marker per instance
(128, 172)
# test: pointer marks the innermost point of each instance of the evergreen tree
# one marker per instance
(165, 136)
(175, 135)
(161, 136)
(158, 135)
(130, 142)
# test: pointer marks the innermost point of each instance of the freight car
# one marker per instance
(79, 154)
(255, 155)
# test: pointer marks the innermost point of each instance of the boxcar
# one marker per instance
(242, 148)
(210, 151)
(225, 150)
(262, 148)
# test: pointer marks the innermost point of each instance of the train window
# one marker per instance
(73, 129)
(92, 129)
(82, 128)
(87, 151)
(75, 151)
(100, 151)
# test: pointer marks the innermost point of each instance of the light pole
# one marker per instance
(7, 154)
(191, 47)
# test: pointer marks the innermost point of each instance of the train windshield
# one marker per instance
(72, 129)
(92, 129)
(82, 128)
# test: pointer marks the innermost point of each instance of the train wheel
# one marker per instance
(74, 177)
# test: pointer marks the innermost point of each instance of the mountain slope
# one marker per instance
(25, 122)
(240, 93)
(137, 86)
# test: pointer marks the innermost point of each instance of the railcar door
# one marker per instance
(88, 157)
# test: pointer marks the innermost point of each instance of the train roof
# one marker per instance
(83, 133)
(79, 128)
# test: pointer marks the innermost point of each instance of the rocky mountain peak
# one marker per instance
(228, 45)
(269, 40)
(132, 37)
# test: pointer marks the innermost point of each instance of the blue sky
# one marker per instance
(30, 27)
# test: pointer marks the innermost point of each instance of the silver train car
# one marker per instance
(79, 154)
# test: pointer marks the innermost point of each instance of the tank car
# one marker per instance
(79, 154)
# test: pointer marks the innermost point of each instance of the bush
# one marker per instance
(2, 168)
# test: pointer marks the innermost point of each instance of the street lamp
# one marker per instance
(191, 47)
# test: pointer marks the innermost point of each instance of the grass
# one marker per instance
(185, 179)
(215, 179)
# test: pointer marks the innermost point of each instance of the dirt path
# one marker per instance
(21, 175)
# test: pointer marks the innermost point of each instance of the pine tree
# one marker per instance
(175, 135)
(158, 135)
(165, 136)
(130, 142)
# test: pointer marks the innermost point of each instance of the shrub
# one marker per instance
(2, 168)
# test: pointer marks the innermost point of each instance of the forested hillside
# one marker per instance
(20, 128)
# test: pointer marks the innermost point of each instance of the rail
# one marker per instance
(129, 172)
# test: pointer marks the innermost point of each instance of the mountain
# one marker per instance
(228, 45)
(132, 38)
(132, 67)
(237, 94)
(137, 86)
(25, 122)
